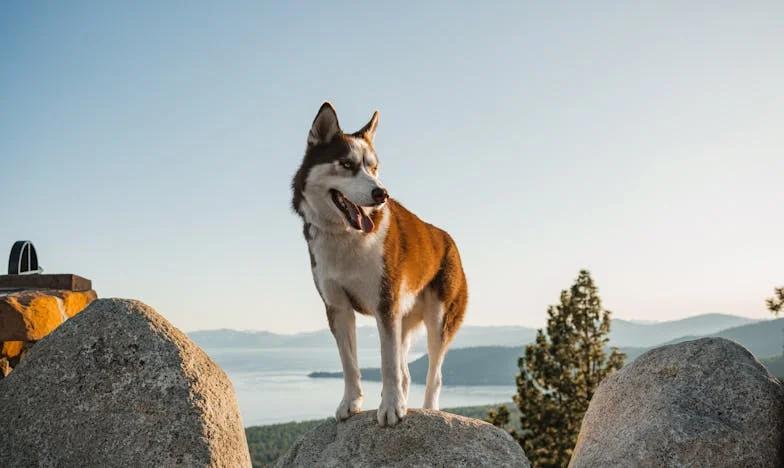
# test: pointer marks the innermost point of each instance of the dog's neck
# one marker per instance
(321, 227)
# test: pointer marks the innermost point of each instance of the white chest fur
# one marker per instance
(350, 262)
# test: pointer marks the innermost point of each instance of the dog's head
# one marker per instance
(337, 184)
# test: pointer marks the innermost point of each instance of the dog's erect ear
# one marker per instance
(325, 125)
(369, 130)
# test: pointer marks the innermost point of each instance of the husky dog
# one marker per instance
(370, 255)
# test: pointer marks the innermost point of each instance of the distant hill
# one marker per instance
(367, 337)
(763, 338)
(775, 365)
(483, 365)
(472, 336)
(628, 333)
(486, 365)
(624, 334)
(223, 338)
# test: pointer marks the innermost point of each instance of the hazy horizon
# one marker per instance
(150, 146)
(367, 322)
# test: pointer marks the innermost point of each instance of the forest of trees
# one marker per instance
(267, 443)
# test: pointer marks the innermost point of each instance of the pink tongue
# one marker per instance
(365, 221)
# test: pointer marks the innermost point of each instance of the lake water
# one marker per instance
(272, 385)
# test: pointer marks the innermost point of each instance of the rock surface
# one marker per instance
(706, 402)
(425, 438)
(32, 314)
(118, 385)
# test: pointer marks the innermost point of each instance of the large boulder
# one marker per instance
(30, 315)
(425, 438)
(118, 385)
(706, 402)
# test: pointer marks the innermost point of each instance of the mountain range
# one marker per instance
(488, 355)
(623, 333)
(497, 365)
(628, 333)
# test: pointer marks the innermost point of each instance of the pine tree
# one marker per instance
(776, 303)
(559, 374)
(499, 417)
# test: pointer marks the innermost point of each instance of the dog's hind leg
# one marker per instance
(405, 373)
(446, 302)
(342, 323)
(436, 350)
(442, 320)
(411, 322)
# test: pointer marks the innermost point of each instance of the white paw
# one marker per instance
(392, 410)
(348, 407)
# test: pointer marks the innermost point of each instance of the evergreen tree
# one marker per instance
(776, 303)
(559, 374)
(499, 417)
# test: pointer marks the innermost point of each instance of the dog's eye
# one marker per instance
(347, 164)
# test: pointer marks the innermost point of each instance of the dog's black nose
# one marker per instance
(379, 195)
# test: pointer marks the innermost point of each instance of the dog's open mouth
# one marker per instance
(355, 215)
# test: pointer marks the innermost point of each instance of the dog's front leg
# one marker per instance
(393, 401)
(342, 323)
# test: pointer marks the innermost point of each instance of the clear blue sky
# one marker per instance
(149, 146)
